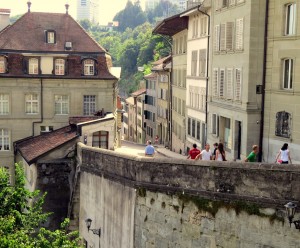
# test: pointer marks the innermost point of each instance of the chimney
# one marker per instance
(67, 8)
(4, 18)
(28, 4)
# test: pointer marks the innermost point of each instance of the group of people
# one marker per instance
(283, 156)
(206, 154)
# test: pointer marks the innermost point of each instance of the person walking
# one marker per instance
(205, 154)
(220, 153)
(284, 155)
(214, 152)
(149, 150)
(252, 156)
(193, 152)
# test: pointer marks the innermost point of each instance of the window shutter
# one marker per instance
(202, 62)
(215, 82)
(221, 85)
(238, 84)
(229, 94)
(217, 38)
(229, 35)
(223, 37)
(239, 34)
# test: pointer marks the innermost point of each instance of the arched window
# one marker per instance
(283, 124)
(100, 139)
(89, 67)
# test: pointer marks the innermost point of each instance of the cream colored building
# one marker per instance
(237, 28)
(197, 77)
(282, 90)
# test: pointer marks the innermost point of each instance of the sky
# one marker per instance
(107, 9)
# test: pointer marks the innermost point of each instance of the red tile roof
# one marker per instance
(138, 92)
(28, 32)
(34, 147)
(151, 75)
(80, 119)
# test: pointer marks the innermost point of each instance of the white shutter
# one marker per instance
(229, 92)
(239, 33)
(238, 84)
(217, 38)
(222, 82)
(223, 37)
(215, 82)
(229, 35)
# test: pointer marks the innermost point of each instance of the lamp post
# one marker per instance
(88, 223)
(290, 208)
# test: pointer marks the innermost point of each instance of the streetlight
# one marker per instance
(88, 223)
(290, 208)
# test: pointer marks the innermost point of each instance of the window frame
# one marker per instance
(4, 109)
(59, 69)
(50, 39)
(31, 103)
(290, 25)
(33, 68)
(88, 67)
(287, 80)
(3, 64)
(283, 120)
(5, 139)
(89, 105)
(61, 104)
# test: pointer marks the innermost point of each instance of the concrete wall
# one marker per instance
(164, 215)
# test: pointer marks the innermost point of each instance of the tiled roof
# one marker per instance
(29, 32)
(138, 92)
(151, 75)
(162, 60)
(32, 148)
(79, 119)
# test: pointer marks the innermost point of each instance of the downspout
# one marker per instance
(261, 133)
(42, 108)
(207, 67)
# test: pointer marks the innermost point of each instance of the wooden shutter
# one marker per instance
(202, 62)
(229, 88)
(222, 82)
(229, 35)
(217, 38)
(238, 84)
(239, 33)
(223, 37)
(215, 82)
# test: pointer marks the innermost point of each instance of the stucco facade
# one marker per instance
(237, 43)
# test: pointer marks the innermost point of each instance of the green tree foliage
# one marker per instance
(86, 24)
(12, 19)
(162, 10)
(131, 17)
(21, 217)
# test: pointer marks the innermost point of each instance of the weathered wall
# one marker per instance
(162, 220)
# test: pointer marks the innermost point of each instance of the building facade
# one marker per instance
(50, 72)
(88, 9)
(281, 116)
(234, 105)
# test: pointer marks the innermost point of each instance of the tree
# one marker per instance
(21, 217)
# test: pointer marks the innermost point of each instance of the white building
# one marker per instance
(88, 9)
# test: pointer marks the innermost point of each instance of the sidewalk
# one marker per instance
(166, 152)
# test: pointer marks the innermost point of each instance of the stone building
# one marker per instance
(52, 70)
(234, 104)
(176, 27)
(281, 115)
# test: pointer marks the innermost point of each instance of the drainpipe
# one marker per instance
(261, 133)
(207, 67)
(42, 109)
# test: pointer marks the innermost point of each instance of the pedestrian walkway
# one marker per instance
(166, 152)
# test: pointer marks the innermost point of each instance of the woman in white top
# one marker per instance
(220, 153)
(284, 155)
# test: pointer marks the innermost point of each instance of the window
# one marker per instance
(89, 105)
(59, 67)
(194, 63)
(4, 140)
(89, 65)
(61, 104)
(50, 37)
(229, 35)
(203, 26)
(238, 84)
(222, 37)
(33, 66)
(217, 38)
(198, 131)
(215, 82)
(239, 34)
(222, 82)
(202, 62)
(189, 126)
(100, 139)
(290, 19)
(288, 73)
(229, 84)
(31, 104)
(283, 123)
(193, 128)
(215, 124)
(3, 65)
(4, 104)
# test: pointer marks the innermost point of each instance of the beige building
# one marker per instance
(234, 105)
(281, 114)
(52, 70)
(197, 77)
(176, 27)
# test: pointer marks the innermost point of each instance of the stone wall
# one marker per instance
(184, 203)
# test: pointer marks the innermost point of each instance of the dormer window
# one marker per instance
(33, 66)
(59, 67)
(50, 37)
(3, 64)
(89, 67)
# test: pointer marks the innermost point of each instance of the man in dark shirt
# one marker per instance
(193, 152)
